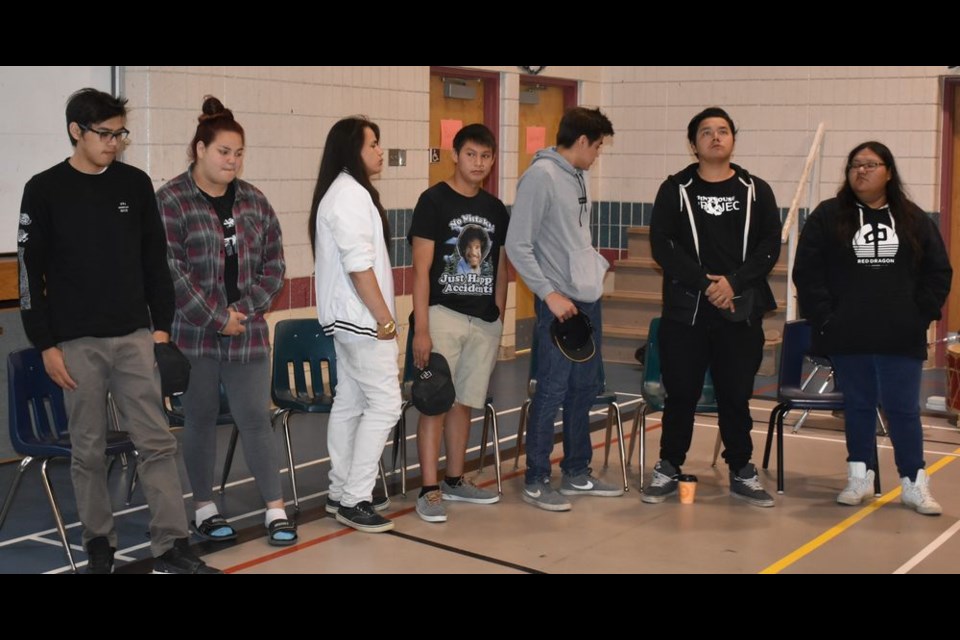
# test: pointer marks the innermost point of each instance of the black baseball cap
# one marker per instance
(433, 393)
(174, 368)
(574, 337)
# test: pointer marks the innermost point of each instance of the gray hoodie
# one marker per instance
(548, 241)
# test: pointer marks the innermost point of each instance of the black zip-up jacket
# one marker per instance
(871, 294)
(675, 232)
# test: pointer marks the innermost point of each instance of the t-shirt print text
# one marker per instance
(123, 207)
(717, 205)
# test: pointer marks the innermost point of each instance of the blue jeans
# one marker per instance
(892, 382)
(562, 383)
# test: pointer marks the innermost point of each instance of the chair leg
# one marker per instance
(483, 436)
(231, 449)
(716, 449)
(642, 456)
(770, 427)
(618, 416)
(133, 477)
(13, 489)
(876, 470)
(521, 428)
(633, 434)
(803, 418)
(881, 425)
(383, 479)
(293, 469)
(116, 425)
(402, 443)
(496, 445)
(780, 474)
(56, 514)
(606, 444)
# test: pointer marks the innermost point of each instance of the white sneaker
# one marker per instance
(917, 495)
(859, 484)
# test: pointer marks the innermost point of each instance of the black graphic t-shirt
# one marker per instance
(720, 213)
(468, 234)
(223, 205)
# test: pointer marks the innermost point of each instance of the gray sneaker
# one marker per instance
(662, 485)
(586, 485)
(745, 484)
(466, 491)
(430, 507)
(541, 494)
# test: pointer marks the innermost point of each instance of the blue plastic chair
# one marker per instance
(400, 431)
(301, 346)
(173, 407)
(38, 429)
(604, 398)
(792, 393)
(654, 397)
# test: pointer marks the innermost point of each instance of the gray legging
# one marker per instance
(248, 392)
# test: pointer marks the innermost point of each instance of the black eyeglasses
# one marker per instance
(105, 134)
(869, 167)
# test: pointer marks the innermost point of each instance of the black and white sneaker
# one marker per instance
(362, 517)
(380, 503)
(662, 485)
(745, 484)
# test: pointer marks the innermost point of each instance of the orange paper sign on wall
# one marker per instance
(536, 139)
(448, 129)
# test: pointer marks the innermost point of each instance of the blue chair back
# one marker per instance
(173, 407)
(38, 416)
(302, 346)
(652, 389)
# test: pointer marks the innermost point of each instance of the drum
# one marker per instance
(953, 378)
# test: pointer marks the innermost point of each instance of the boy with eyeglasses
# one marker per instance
(95, 295)
(550, 245)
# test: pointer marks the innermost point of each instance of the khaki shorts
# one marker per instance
(470, 346)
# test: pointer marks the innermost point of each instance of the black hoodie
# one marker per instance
(871, 294)
(696, 229)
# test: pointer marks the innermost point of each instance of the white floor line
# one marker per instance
(637, 399)
(929, 549)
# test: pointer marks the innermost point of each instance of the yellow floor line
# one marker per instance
(836, 530)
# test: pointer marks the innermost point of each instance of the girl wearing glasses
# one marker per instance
(226, 257)
(871, 273)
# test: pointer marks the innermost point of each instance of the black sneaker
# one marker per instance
(362, 517)
(662, 485)
(745, 484)
(180, 559)
(100, 555)
(380, 503)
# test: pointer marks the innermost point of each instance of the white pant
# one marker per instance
(365, 409)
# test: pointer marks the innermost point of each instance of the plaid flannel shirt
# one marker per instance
(195, 255)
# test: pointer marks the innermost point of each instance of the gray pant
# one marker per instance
(125, 367)
(248, 392)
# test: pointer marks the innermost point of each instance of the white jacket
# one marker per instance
(349, 240)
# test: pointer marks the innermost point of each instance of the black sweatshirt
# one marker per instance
(92, 255)
(717, 212)
(869, 295)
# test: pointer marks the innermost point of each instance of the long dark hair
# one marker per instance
(342, 152)
(214, 118)
(906, 214)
